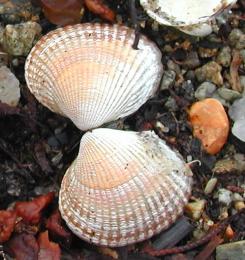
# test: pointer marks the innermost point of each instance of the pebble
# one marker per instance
(18, 39)
(167, 79)
(228, 94)
(224, 56)
(210, 186)
(16, 11)
(205, 90)
(9, 87)
(171, 104)
(238, 129)
(211, 71)
(195, 209)
(236, 197)
(231, 251)
(210, 124)
(225, 196)
(239, 205)
(242, 82)
(220, 99)
(237, 39)
(237, 110)
(207, 52)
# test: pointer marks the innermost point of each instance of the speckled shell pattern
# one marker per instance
(117, 194)
(190, 16)
(91, 74)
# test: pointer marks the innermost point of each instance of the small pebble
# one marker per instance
(211, 71)
(210, 186)
(171, 104)
(237, 110)
(237, 39)
(239, 205)
(224, 56)
(18, 39)
(236, 197)
(205, 90)
(207, 52)
(225, 196)
(231, 251)
(168, 79)
(195, 209)
(9, 87)
(210, 124)
(238, 129)
(228, 94)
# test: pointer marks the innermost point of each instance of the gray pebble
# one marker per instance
(167, 79)
(18, 39)
(238, 129)
(237, 39)
(224, 56)
(237, 110)
(231, 251)
(205, 90)
(225, 196)
(228, 94)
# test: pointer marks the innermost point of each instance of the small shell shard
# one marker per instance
(117, 195)
(91, 74)
(190, 16)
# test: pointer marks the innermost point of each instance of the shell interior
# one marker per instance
(114, 195)
(184, 12)
(91, 74)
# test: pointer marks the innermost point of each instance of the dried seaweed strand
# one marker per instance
(235, 64)
(133, 14)
(176, 250)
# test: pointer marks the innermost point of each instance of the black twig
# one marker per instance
(133, 14)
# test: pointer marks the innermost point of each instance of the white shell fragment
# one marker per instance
(114, 195)
(9, 87)
(190, 16)
(91, 74)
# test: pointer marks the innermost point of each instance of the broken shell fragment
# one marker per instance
(191, 16)
(91, 74)
(117, 195)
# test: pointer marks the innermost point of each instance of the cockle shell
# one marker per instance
(190, 16)
(114, 195)
(91, 74)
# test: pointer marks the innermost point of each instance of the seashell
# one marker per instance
(91, 74)
(114, 195)
(191, 16)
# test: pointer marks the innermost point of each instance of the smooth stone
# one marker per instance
(237, 110)
(231, 251)
(238, 129)
(228, 94)
(205, 90)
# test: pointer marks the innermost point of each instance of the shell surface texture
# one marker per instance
(91, 74)
(114, 195)
(190, 16)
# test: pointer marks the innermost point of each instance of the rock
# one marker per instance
(238, 129)
(167, 79)
(211, 71)
(235, 164)
(18, 39)
(210, 124)
(171, 104)
(210, 186)
(225, 196)
(16, 11)
(205, 90)
(237, 39)
(9, 87)
(195, 209)
(231, 251)
(229, 94)
(220, 99)
(237, 110)
(207, 52)
(224, 56)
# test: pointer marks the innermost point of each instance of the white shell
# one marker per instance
(91, 74)
(190, 16)
(123, 187)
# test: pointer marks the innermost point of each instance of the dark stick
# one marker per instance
(133, 14)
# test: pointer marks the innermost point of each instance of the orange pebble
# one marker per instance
(229, 233)
(210, 124)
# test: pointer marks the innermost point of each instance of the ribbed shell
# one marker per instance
(188, 15)
(91, 74)
(123, 187)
